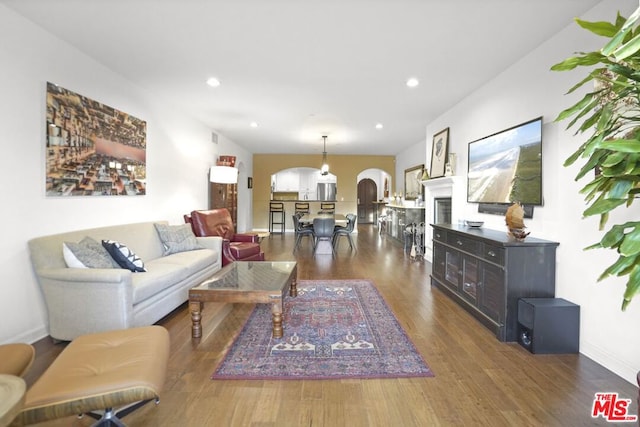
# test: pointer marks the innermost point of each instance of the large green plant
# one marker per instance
(610, 115)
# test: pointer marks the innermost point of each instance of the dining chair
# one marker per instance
(323, 231)
(301, 231)
(345, 231)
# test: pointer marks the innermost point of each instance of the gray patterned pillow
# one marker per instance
(177, 238)
(87, 253)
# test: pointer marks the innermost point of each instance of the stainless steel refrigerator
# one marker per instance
(326, 191)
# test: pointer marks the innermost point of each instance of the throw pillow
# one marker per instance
(124, 256)
(177, 238)
(87, 254)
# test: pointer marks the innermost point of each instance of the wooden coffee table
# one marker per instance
(246, 282)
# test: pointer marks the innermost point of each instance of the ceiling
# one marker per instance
(301, 69)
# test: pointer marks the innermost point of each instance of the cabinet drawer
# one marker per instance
(463, 243)
(439, 235)
(494, 254)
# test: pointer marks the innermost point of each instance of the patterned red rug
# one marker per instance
(333, 329)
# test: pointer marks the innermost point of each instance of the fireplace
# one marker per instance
(442, 210)
(441, 205)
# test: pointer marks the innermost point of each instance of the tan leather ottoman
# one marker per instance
(100, 372)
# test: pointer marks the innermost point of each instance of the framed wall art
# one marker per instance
(92, 149)
(413, 188)
(439, 153)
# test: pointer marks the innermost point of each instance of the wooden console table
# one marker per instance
(486, 272)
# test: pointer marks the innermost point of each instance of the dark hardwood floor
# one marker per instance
(478, 380)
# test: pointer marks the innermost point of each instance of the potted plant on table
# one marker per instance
(610, 116)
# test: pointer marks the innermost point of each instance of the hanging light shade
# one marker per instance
(325, 165)
(223, 175)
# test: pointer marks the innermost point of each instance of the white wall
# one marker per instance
(179, 153)
(407, 159)
(524, 91)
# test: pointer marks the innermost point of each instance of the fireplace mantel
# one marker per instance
(444, 182)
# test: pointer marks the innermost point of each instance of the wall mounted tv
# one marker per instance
(506, 167)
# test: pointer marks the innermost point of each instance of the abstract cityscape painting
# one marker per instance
(92, 149)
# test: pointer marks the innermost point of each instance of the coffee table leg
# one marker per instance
(276, 314)
(196, 328)
(293, 289)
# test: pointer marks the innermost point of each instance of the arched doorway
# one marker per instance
(367, 194)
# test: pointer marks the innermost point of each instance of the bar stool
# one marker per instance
(302, 207)
(327, 208)
(276, 217)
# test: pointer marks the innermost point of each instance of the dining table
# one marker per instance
(309, 217)
(324, 247)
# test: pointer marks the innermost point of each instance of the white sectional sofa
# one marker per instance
(88, 300)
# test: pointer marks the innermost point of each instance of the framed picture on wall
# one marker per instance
(413, 188)
(439, 153)
(92, 149)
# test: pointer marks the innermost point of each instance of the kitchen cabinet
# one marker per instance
(303, 181)
(287, 181)
(486, 272)
(308, 183)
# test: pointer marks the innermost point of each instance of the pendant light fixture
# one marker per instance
(325, 166)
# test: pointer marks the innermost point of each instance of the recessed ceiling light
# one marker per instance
(379, 126)
(213, 82)
(413, 82)
(253, 124)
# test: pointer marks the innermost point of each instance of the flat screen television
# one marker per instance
(506, 167)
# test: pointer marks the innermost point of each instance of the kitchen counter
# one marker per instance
(391, 205)
(399, 217)
(314, 207)
(293, 197)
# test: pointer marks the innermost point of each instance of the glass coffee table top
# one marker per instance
(250, 276)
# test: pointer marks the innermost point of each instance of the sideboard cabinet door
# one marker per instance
(492, 297)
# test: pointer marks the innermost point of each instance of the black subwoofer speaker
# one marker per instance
(548, 325)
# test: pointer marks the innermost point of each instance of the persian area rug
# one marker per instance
(333, 329)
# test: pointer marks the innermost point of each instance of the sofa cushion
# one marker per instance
(177, 238)
(194, 261)
(87, 253)
(167, 271)
(124, 256)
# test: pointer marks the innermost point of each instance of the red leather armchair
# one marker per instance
(217, 222)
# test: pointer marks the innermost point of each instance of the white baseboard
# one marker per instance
(29, 337)
(619, 367)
